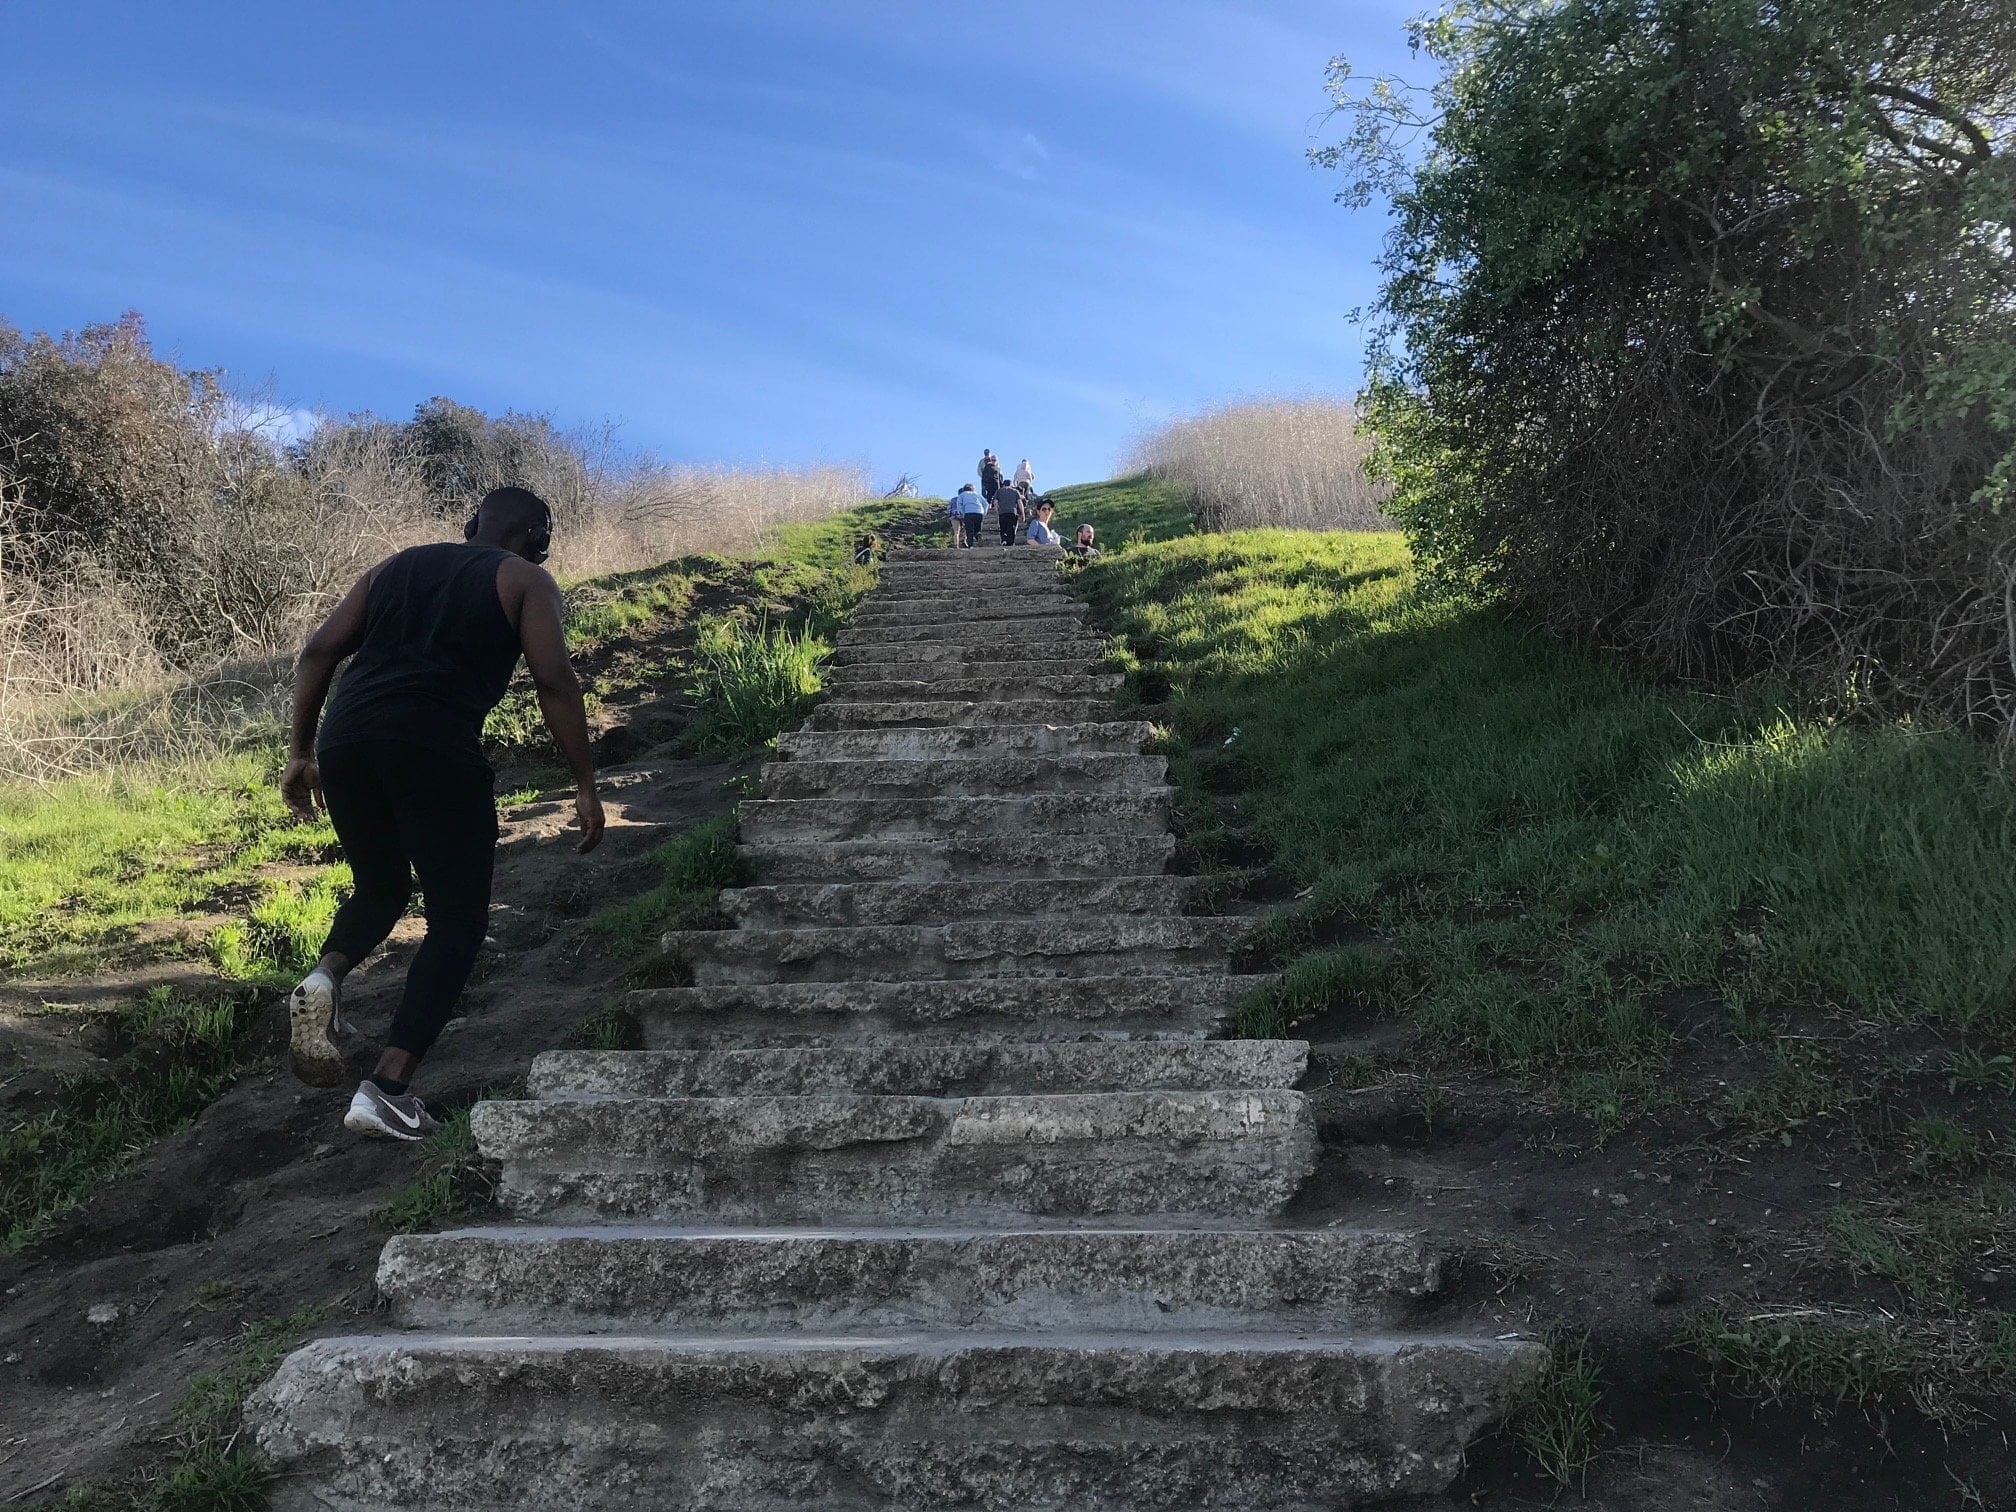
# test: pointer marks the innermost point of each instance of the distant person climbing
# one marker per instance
(1040, 533)
(990, 475)
(434, 633)
(1025, 476)
(1008, 511)
(968, 510)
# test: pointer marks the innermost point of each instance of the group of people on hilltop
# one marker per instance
(1014, 503)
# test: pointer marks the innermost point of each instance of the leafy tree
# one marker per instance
(1698, 329)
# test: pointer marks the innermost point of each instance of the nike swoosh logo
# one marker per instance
(411, 1123)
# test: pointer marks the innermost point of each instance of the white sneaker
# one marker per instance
(385, 1116)
(312, 1010)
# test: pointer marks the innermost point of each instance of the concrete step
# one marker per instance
(1204, 1422)
(1115, 737)
(984, 1009)
(968, 589)
(1124, 945)
(937, 712)
(1038, 664)
(958, 776)
(939, 653)
(1015, 635)
(958, 559)
(926, 1070)
(840, 904)
(796, 820)
(968, 609)
(835, 1158)
(973, 858)
(1010, 684)
(1151, 1281)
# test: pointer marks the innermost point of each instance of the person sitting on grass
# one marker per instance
(1083, 547)
(433, 635)
(1040, 533)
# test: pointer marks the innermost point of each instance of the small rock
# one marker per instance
(322, 1152)
(102, 1313)
(1619, 1199)
(1666, 1289)
(12, 1359)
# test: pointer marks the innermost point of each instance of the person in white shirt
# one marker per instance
(1025, 476)
(1040, 533)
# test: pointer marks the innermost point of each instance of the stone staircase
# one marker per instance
(933, 1189)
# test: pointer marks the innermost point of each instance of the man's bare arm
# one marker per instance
(335, 638)
(545, 644)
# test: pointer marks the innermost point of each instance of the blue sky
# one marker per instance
(747, 232)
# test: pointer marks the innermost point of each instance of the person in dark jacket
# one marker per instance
(433, 635)
(1008, 511)
(990, 475)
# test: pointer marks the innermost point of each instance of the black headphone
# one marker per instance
(538, 540)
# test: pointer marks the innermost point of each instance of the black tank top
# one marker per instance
(437, 654)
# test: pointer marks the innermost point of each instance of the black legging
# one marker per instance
(1008, 522)
(402, 809)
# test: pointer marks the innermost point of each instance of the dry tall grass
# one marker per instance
(1298, 463)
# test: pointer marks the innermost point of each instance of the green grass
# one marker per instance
(89, 858)
(1559, 1419)
(1872, 1363)
(452, 1179)
(184, 1053)
(686, 876)
(1124, 512)
(1546, 842)
(751, 682)
(282, 935)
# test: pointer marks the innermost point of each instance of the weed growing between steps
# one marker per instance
(687, 874)
(454, 1180)
(1711, 959)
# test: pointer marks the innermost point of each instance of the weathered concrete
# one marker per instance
(1040, 665)
(937, 712)
(1144, 1280)
(1023, 681)
(768, 821)
(1246, 1422)
(1006, 612)
(952, 653)
(1122, 945)
(836, 1158)
(1016, 638)
(963, 1069)
(973, 857)
(989, 1008)
(839, 904)
(929, 745)
(955, 775)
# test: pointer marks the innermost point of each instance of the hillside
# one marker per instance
(1687, 1016)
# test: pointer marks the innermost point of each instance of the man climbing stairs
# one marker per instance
(934, 1189)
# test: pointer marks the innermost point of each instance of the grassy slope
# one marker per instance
(1648, 915)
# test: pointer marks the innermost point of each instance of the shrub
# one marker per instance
(1298, 463)
(1700, 331)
